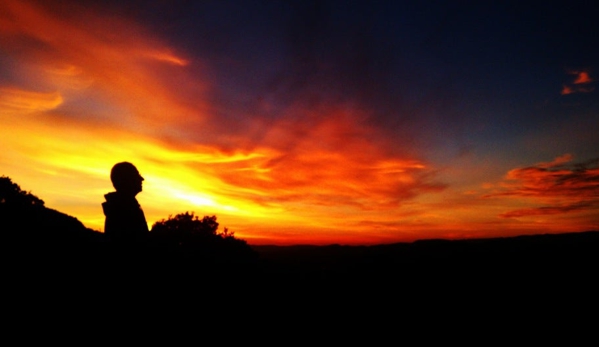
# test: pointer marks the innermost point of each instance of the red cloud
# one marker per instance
(546, 210)
(580, 84)
(567, 187)
(330, 161)
(582, 78)
(567, 90)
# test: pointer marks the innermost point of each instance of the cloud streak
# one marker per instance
(563, 186)
(18, 101)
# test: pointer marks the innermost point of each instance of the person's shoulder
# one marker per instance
(117, 201)
(112, 196)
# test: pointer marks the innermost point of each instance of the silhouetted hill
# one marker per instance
(26, 221)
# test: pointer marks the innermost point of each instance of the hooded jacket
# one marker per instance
(125, 220)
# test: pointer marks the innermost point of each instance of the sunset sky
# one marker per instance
(310, 122)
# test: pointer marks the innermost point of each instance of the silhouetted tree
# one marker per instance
(13, 197)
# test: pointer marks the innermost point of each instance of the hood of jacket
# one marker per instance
(116, 201)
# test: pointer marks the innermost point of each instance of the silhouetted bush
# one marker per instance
(199, 239)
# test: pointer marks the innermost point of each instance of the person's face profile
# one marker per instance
(136, 181)
(127, 179)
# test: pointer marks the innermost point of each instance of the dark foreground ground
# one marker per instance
(543, 255)
(500, 288)
(552, 259)
(61, 282)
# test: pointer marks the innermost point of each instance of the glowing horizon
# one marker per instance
(298, 167)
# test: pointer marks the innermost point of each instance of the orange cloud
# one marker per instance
(563, 186)
(329, 161)
(87, 57)
(14, 100)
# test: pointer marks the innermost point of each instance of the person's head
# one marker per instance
(125, 178)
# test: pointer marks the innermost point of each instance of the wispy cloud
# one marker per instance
(86, 57)
(168, 57)
(18, 101)
(561, 185)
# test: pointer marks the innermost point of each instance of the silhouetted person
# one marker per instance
(125, 223)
